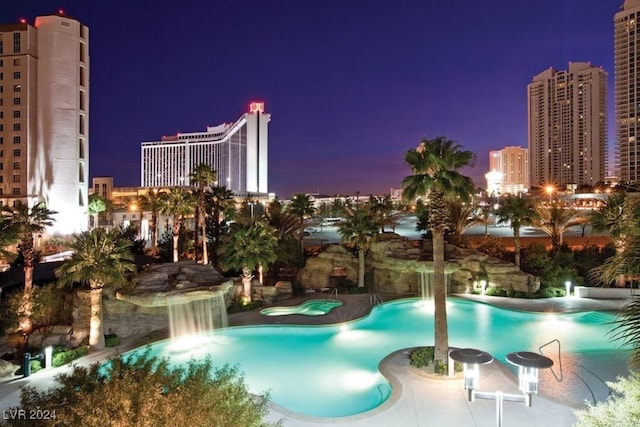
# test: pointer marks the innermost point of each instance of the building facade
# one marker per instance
(567, 126)
(44, 118)
(508, 171)
(627, 91)
(238, 152)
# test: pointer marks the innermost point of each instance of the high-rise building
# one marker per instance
(627, 91)
(238, 152)
(44, 118)
(508, 171)
(568, 126)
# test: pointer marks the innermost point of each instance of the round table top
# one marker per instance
(471, 355)
(529, 359)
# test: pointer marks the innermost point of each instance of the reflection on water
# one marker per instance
(332, 370)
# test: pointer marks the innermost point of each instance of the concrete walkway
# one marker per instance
(419, 400)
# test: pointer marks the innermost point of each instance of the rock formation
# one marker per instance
(395, 265)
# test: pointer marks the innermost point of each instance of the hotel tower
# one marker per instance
(44, 118)
(238, 152)
(627, 91)
(568, 126)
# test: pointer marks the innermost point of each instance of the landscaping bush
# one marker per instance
(496, 292)
(140, 390)
(421, 357)
(551, 292)
(112, 340)
(238, 305)
(62, 356)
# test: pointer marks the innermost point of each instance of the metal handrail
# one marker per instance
(559, 358)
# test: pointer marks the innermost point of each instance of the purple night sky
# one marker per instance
(350, 84)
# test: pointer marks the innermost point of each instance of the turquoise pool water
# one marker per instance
(332, 371)
(314, 307)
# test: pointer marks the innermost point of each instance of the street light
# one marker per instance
(550, 189)
(528, 364)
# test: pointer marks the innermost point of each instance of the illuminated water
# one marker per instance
(332, 371)
(314, 307)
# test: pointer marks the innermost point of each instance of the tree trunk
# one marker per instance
(28, 279)
(360, 268)
(516, 244)
(205, 254)
(440, 299)
(246, 283)
(175, 233)
(175, 247)
(96, 334)
(154, 234)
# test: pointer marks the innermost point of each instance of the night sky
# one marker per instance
(350, 84)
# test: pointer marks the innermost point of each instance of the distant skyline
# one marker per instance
(350, 84)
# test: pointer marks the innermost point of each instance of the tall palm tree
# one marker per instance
(360, 227)
(517, 211)
(435, 165)
(286, 223)
(30, 222)
(99, 258)
(177, 203)
(247, 247)
(152, 202)
(220, 204)
(301, 206)
(555, 219)
(202, 178)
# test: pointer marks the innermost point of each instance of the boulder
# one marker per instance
(7, 369)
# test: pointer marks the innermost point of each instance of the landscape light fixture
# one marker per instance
(528, 364)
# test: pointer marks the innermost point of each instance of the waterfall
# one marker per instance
(427, 283)
(197, 316)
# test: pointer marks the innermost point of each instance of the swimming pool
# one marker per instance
(332, 370)
(314, 307)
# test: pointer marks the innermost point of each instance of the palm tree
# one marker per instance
(202, 177)
(152, 202)
(246, 247)
(435, 164)
(517, 211)
(301, 206)
(97, 204)
(177, 203)
(555, 219)
(462, 219)
(99, 258)
(360, 227)
(220, 204)
(618, 217)
(30, 222)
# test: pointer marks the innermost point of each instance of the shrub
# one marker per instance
(62, 356)
(551, 292)
(127, 389)
(238, 305)
(496, 292)
(621, 409)
(421, 357)
(112, 340)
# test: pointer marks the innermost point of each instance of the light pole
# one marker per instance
(528, 364)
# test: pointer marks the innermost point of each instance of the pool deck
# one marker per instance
(419, 400)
